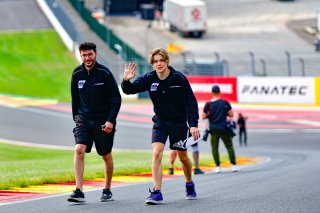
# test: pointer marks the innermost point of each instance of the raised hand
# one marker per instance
(129, 71)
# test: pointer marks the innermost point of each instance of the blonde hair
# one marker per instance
(159, 51)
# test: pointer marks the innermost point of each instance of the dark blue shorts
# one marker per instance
(176, 131)
(88, 131)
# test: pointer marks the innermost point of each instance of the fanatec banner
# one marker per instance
(276, 90)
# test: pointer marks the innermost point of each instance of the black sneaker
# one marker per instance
(106, 195)
(77, 196)
(171, 171)
(198, 171)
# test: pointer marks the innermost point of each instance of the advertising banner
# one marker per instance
(276, 90)
(201, 86)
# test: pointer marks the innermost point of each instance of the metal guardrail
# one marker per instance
(63, 18)
(266, 63)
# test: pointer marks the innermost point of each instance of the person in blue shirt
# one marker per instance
(176, 115)
(217, 110)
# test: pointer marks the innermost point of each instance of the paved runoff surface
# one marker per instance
(279, 167)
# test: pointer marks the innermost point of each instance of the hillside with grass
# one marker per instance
(36, 64)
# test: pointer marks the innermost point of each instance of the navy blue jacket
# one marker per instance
(95, 94)
(172, 98)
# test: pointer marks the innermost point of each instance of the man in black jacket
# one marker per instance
(176, 115)
(96, 103)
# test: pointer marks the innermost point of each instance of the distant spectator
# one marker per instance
(242, 129)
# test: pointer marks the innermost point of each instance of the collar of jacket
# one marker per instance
(92, 69)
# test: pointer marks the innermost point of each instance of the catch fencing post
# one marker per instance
(252, 63)
(289, 62)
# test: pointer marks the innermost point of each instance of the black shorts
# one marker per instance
(176, 131)
(88, 131)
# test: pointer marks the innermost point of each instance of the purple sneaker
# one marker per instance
(154, 198)
(191, 192)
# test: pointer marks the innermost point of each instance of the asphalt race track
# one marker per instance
(286, 182)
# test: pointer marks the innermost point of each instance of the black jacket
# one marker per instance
(173, 98)
(95, 94)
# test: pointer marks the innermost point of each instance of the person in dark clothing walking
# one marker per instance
(242, 129)
(96, 103)
(176, 115)
(217, 110)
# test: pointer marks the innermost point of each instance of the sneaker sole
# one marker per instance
(191, 198)
(106, 200)
(199, 173)
(76, 200)
(152, 202)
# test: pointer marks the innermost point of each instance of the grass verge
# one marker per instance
(36, 64)
(23, 166)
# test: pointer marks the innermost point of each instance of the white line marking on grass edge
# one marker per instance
(35, 145)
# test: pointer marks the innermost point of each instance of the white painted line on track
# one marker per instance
(149, 126)
(305, 122)
(45, 112)
(69, 116)
(285, 131)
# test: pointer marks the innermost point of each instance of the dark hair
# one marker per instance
(87, 46)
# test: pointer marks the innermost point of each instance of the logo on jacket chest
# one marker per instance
(154, 86)
(81, 83)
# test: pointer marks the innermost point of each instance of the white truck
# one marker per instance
(187, 17)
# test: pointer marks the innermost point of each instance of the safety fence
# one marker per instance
(250, 63)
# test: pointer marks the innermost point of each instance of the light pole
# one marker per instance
(252, 63)
(118, 47)
(107, 12)
(226, 65)
(264, 68)
(147, 39)
(302, 66)
(318, 25)
(288, 62)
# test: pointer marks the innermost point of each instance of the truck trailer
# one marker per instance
(187, 17)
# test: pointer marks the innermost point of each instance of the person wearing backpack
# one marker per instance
(216, 111)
